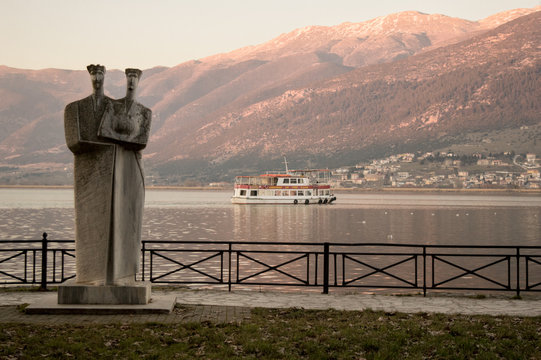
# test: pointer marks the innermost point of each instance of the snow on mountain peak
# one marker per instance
(411, 30)
(506, 16)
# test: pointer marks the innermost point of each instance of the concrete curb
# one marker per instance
(355, 302)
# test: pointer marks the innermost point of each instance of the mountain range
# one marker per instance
(322, 96)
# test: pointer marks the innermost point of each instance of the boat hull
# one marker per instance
(298, 200)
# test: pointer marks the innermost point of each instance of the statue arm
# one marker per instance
(72, 133)
(145, 129)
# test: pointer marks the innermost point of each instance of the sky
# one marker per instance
(70, 34)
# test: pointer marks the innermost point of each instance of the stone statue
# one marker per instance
(130, 123)
(106, 137)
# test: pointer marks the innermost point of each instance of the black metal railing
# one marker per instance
(36, 261)
(286, 264)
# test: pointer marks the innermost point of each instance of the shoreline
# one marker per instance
(436, 190)
(338, 190)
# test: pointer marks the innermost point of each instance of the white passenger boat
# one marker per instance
(291, 187)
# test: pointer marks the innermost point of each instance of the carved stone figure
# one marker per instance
(106, 137)
(130, 121)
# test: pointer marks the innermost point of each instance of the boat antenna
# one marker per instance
(285, 162)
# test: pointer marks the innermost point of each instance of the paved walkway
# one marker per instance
(387, 303)
(223, 306)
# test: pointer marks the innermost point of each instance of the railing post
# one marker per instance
(518, 272)
(143, 261)
(424, 270)
(43, 285)
(229, 275)
(325, 268)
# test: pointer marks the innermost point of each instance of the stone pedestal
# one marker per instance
(48, 304)
(133, 294)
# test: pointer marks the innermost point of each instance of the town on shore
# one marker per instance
(443, 170)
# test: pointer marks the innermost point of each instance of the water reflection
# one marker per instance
(279, 223)
(398, 225)
(366, 218)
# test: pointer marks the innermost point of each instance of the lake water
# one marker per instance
(426, 218)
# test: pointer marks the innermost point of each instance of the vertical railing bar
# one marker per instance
(44, 262)
(509, 272)
(433, 264)
(33, 266)
(221, 266)
(335, 275)
(25, 265)
(143, 260)
(54, 266)
(62, 265)
(308, 268)
(424, 270)
(325, 268)
(316, 267)
(416, 271)
(151, 272)
(343, 270)
(518, 271)
(230, 265)
(527, 286)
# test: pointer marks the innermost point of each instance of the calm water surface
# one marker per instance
(428, 218)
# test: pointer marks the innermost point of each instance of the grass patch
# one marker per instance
(22, 307)
(479, 296)
(291, 333)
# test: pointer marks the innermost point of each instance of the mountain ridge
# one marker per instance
(187, 99)
(278, 106)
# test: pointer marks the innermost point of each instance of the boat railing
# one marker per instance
(254, 180)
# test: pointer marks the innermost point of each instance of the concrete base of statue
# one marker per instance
(74, 298)
(48, 304)
(137, 293)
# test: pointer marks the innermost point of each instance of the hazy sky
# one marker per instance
(69, 34)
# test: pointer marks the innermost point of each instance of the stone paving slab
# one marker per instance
(359, 302)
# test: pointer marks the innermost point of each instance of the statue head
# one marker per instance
(97, 76)
(132, 78)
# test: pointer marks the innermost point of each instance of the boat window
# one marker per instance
(243, 193)
(300, 193)
(253, 192)
(242, 180)
(286, 181)
(293, 181)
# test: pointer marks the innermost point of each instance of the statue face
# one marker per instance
(97, 77)
(133, 81)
